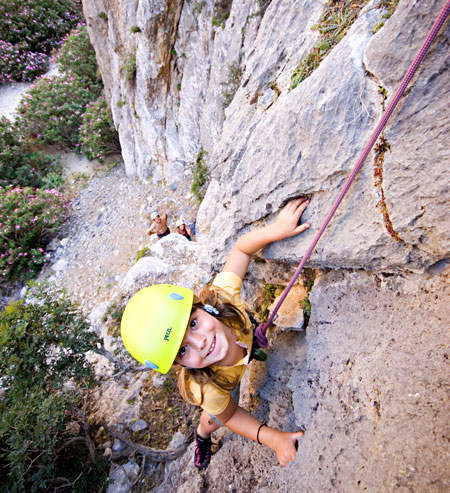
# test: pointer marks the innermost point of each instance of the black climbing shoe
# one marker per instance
(202, 451)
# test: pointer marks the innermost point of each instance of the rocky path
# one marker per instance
(106, 229)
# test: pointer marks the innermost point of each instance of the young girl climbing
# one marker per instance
(207, 339)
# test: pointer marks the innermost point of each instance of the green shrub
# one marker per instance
(78, 56)
(98, 137)
(20, 165)
(129, 67)
(113, 317)
(143, 252)
(334, 23)
(29, 31)
(27, 218)
(43, 343)
(266, 296)
(222, 9)
(200, 176)
(17, 65)
(198, 7)
(232, 84)
(51, 111)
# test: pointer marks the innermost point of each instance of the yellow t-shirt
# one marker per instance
(216, 400)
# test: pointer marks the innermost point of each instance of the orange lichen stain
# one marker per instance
(380, 149)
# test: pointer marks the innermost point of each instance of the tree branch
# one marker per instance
(155, 455)
(135, 369)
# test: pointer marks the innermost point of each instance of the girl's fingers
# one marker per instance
(302, 227)
(302, 205)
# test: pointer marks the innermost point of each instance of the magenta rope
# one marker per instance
(261, 329)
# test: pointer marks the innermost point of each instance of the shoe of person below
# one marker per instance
(202, 452)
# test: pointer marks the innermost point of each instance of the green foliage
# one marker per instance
(306, 305)
(98, 137)
(232, 84)
(308, 278)
(29, 31)
(377, 27)
(266, 297)
(200, 176)
(129, 67)
(222, 9)
(78, 56)
(333, 25)
(113, 316)
(20, 165)
(389, 6)
(51, 111)
(142, 253)
(27, 217)
(43, 343)
(383, 91)
(198, 7)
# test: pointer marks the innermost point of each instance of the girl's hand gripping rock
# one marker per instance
(287, 222)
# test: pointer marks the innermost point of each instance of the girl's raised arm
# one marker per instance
(286, 225)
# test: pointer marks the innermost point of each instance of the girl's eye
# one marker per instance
(182, 351)
(193, 323)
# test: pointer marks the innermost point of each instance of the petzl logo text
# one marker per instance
(168, 331)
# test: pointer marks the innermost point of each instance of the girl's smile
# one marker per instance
(207, 341)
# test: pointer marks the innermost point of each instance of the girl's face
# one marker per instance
(206, 342)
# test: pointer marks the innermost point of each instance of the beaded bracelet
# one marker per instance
(257, 433)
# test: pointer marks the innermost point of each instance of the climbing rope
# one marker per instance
(261, 329)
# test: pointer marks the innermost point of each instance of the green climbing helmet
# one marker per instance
(154, 322)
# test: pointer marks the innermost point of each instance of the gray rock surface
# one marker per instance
(368, 379)
(123, 478)
(369, 384)
(271, 143)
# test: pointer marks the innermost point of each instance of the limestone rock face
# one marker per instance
(226, 89)
(167, 263)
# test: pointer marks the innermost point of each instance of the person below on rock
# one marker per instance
(158, 225)
(208, 338)
(183, 229)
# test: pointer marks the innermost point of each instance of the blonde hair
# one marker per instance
(232, 317)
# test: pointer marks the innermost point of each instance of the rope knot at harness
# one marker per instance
(260, 332)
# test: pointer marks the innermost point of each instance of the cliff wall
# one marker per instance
(369, 379)
(270, 142)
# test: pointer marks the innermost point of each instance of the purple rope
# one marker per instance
(261, 329)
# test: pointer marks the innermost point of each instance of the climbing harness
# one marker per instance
(261, 329)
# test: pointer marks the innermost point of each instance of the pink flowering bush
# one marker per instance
(20, 164)
(51, 111)
(97, 133)
(28, 217)
(77, 55)
(29, 31)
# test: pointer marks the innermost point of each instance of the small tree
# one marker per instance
(43, 345)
